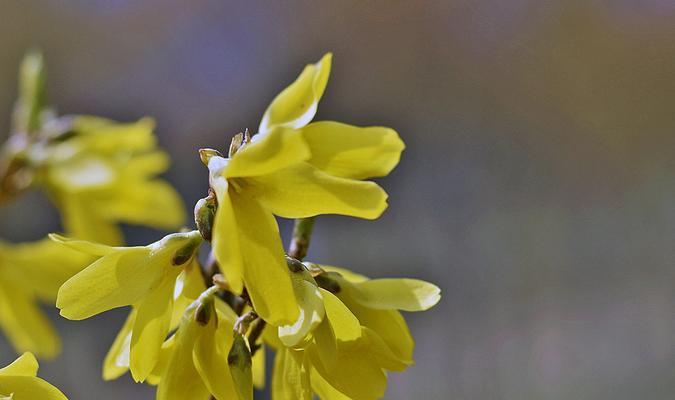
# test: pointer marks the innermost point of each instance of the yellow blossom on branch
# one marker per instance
(142, 276)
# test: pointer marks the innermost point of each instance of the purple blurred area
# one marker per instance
(537, 187)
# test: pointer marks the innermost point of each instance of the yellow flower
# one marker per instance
(100, 172)
(143, 276)
(19, 381)
(30, 272)
(291, 170)
(196, 356)
(353, 336)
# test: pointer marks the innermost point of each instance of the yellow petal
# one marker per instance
(108, 136)
(392, 294)
(384, 356)
(163, 361)
(148, 164)
(116, 362)
(153, 320)
(258, 368)
(225, 241)
(146, 202)
(265, 272)
(277, 149)
(115, 280)
(291, 376)
(296, 105)
(42, 266)
(389, 325)
(210, 358)
(189, 285)
(303, 191)
(180, 379)
(83, 246)
(26, 327)
(311, 312)
(355, 373)
(345, 326)
(352, 152)
(82, 220)
(323, 389)
(25, 365)
(29, 388)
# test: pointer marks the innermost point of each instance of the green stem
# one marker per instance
(302, 233)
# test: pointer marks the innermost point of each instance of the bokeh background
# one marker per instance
(537, 187)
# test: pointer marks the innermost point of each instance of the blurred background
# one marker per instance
(537, 187)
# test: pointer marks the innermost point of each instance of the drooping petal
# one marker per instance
(152, 324)
(389, 326)
(345, 326)
(180, 379)
(312, 312)
(25, 365)
(353, 152)
(353, 373)
(265, 272)
(29, 388)
(278, 149)
(303, 191)
(116, 280)
(116, 362)
(323, 389)
(26, 327)
(225, 241)
(210, 358)
(296, 105)
(383, 354)
(396, 294)
(291, 376)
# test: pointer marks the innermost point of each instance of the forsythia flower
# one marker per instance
(198, 358)
(100, 172)
(144, 277)
(292, 170)
(19, 381)
(30, 272)
(354, 333)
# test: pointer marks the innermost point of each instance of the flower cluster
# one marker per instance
(335, 333)
(98, 173)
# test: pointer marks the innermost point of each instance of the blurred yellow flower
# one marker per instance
(100, 172)
(143, 276)
(352, 333)
(32, 272)
(19, 381)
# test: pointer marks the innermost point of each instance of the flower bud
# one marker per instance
(205, 212)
